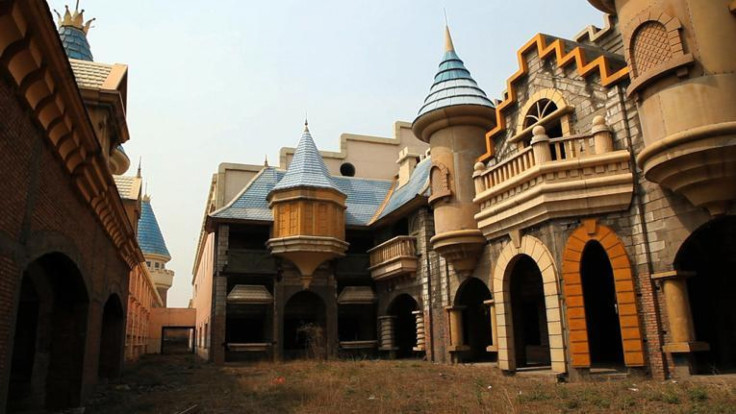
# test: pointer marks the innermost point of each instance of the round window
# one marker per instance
(347, 169)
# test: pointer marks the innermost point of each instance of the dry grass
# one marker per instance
(172, 384)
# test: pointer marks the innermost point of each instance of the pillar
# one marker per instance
(681, 339)
(421, 336)
(602, 139)
(540, 145)
(386, 335)
(457, 336)
(494, 334)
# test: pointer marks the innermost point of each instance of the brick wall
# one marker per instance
(42, 213)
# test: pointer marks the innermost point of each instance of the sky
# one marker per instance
(231, 80)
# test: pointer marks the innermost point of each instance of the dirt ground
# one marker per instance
(175, 383)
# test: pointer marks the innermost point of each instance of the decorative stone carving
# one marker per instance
(655, 48)
(439, 177)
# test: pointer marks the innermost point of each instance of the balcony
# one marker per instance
(561, 177)
(392, 258)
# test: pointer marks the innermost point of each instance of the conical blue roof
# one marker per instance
(75, 43)
(149, 233)
(453, 84)
(307, 169)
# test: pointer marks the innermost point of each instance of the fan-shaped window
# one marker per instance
(540, 110)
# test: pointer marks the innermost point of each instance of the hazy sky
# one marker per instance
(230, 81)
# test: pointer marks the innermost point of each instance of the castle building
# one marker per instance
(585, 220)
(67, 246)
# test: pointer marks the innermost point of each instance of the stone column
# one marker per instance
(540, 145)
(602, 139)
(386, 335)
(494, 333)
(419, 316)
(679, 316)
(457, 336)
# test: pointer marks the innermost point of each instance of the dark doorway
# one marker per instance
(111, 339)
(531, 338)
(305, 325)
(50, 336)
(710, 252)
(601, 309)
(177, 340)
(476, 320)
(405, 325)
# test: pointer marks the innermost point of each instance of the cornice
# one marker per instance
(32, 54)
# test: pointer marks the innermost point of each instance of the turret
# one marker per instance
(683, 75)
(308, 212)
(154, 248)
(453, 120)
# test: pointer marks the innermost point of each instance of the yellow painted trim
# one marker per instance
(598, 65)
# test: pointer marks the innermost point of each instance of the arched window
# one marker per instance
(538, 112)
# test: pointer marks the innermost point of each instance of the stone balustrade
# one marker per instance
(393, 257)
(558, 177)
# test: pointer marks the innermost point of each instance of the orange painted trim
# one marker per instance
(599, 65)
(631, 337)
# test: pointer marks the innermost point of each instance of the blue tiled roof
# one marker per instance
(149, 233)
(416, 186)
(364, 196)
(75, 43)
(453, 85)
(307, 169)
(251, 203)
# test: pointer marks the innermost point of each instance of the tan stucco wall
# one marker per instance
(202, 294)
(167, 317)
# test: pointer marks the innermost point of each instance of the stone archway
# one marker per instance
(51, 330)
(705, 264)
(535, 250)
(578, 246)
(404, 324)
(472, 300)
(305, 326)
(111, 338)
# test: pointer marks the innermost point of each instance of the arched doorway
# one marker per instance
(50, 336)
(305, 325)
(471, 296)
(405, 324)
(601, 308)
(111, 338)
(710, 254)
(529, 312)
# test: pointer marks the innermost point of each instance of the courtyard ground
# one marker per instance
(175, 384)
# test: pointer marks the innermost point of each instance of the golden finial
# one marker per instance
(75, 19)
(449, 47)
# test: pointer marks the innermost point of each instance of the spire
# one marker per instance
(138, 174)
(73, 33)
(449, 47)
(453, 85)
(307, 169)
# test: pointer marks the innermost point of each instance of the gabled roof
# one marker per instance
(364, 196)
(94, 75)
(149, 233)
(417, 186)
(453, 85)
(75, 43)
(307, 169)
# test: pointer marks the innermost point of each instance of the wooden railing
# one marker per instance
(399, 246)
